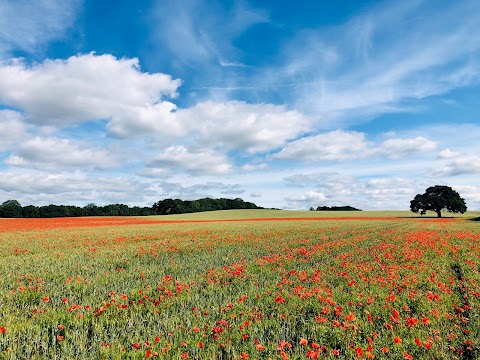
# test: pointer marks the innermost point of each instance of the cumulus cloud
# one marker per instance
(459, 166)
(207, 162)
(156, 120)
(239, 125)
(154, 173)
(254, 167)
(168, 189)
(397, 148)
(471, 194)
(306, 200)
(338, 189)
(312, 179)
(233, 190)
(55, 153)
(333, 145)
(12, 129)
(388, 188)
(448, 154)
(341, 145)
(64, 93)
(74, 188)
(90, 87)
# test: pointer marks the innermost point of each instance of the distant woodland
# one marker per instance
(13, 209)
(335, 208)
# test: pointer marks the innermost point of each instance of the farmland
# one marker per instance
(254, 284)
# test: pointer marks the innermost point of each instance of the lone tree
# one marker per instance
(438, 198)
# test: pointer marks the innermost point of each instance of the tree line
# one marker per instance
(177, 206)
(13, 209)
(335, 208)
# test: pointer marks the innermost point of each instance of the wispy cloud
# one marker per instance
(201, 33)
(30, 25)
(379, 61)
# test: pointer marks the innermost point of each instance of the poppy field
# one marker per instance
(246, 286)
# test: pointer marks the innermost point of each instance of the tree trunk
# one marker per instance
(439, 213)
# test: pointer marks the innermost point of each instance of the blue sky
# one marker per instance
(288, 105)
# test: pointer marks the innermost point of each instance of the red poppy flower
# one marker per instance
(359, 351)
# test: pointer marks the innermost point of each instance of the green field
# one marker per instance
(267, 213)
(387, 285)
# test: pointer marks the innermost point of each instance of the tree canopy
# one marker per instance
(13, 209)
(177, 206)
(335, 208)
(437, 198)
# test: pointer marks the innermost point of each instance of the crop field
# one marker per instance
(241, 285)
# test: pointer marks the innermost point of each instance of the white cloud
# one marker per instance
(55, 153)
(386, 188)
(306, 200)
(156, 120)
(27, 25)
(225, 63)
(254, 167)
(12, 129)
(239, 125)
(471, 194)
(41, 188)
(89, 87)
(312, 179)
(307, 197)
(448, 154)
(189, 31)
(459, 166)
(154, 173)
(401, 52)
(340, 145)
(336, 185)
(233, 190)
(333, 145)
(397, 148)
(179, 157)
(335, 189)
(168, 189)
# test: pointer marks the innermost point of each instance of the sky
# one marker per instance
(285, 104)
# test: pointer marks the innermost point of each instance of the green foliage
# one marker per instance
(336, 208)
(437, 198)
(177, 206)
(13, 209)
